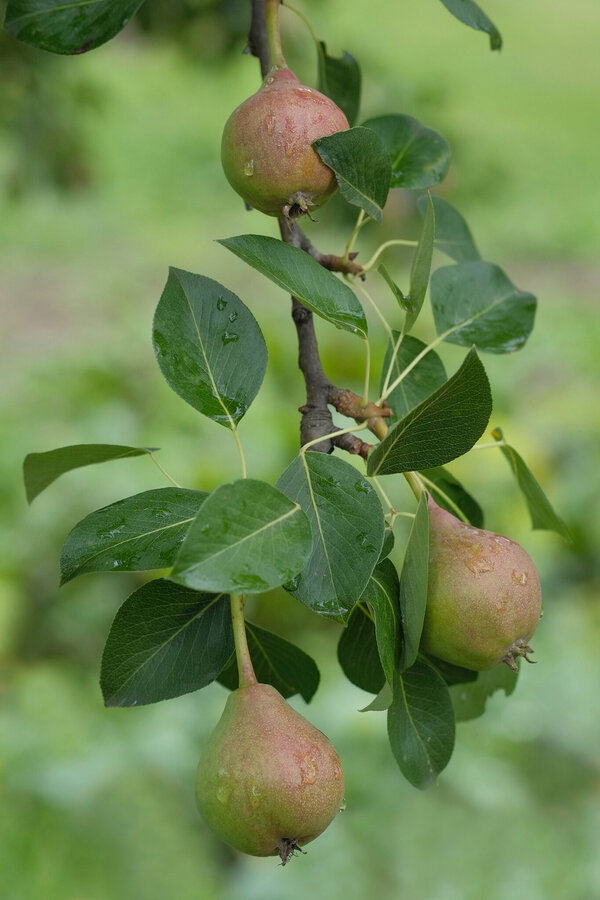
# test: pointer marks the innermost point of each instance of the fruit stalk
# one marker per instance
(276, 57)
(246, 672)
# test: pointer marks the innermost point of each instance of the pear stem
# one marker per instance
(246, 672)
(276, 57)
(416, 485)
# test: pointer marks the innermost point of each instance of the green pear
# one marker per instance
(484, 596)
(268, 781)
(266, 146)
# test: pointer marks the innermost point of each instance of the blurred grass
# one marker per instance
(97, 805)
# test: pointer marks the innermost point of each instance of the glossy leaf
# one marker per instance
(419, 156)
(388, 543)
(421, 725)
(426, 376)
(540, 509)
(478, 305)
(361, 165)
(340, 78)
(382, 594)
(165, 641)
(247, 537)
(413, 585)
(301, 275)
(276, 661)
(452, 234)
(73, 27)
(441, 428)
(347, 524)
(41, 469)
(421, 267)
(381, 702)
(449, 493)
(453, 674)
(469, 699)
(140, 532)
(358, 654)
(402, 299)
(472, 15)
(208, 346)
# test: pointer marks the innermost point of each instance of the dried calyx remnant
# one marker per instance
(484, 596)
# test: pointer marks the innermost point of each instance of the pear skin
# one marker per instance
(268, 781)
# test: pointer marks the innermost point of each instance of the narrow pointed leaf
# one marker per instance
(340, 79)
(402, 299)
(208, 346)
(540, 509)
(469, 700)
(478, 305)
(165, 641)
(358, 654)
(420, 382)
(419, 156)
(388, 543)
(381, 702)
(303, 277)
(140, 532)
(441, 428)
(73, 27)
(421, 725)
(276, 661)
(452, 234)
(361, 165)
(247, 538)
(382, 594)
(41, 469)
(471, 14)
(347, 525)
(449, 493)
(413, 585)
(421, 267)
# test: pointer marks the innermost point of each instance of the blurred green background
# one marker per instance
(109, 172)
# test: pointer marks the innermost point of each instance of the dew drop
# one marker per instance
(160, 343)
(249, 168)
(232, 316)
(221, 303)
(363, 486)
(229, 337)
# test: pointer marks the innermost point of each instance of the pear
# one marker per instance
(484, 596)
(266, 146)
(268, 781)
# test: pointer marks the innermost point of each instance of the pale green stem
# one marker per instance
(164, 471)
(333, 434)
(415, 362)
(236, 437)
(415, 482)
(376, 309)
(359, 224)
(395, 349)
(367, 370)
(489, 446)
(246, 672)
(306, 21)
(379, 251)
(386, 499)
(434, 489)
(276, 57)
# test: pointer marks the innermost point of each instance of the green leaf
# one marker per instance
(402, 299)
(165, 641)
(452, 234)
(453, 674)
(301, 275)
(382, 594)
(449, 493)
(420, 156)
(469, 699)
(421, 267)
(426, 376)
(472, 15)
(41, 469)
(73, 27)
(140, 532)
(540, 509)
(388, 543)
(208, 346)
(478, 305)
(361, 165)
(442, 427)
(421, 725)
(276, 661)
(347, 524)
(247, 537)
(358, 654)
(413, 585)
(340, 79)
(381, 702)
